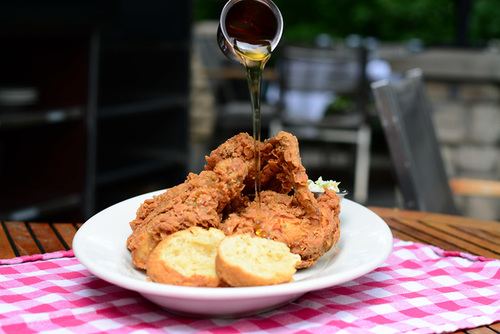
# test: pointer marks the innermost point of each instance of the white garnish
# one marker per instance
(320, 184)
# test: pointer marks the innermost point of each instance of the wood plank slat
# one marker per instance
(397, 213)
(493, 237)
(448, 241)
(67, 232)
(47, 237)
(481, 330)
(472, 236)
(417, 235)
(402, 236)
(22, 238)
(400, 232)
(423, 236)
(6, 250)
(495, 326)
(488, 225)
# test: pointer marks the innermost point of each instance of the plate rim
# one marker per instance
(231, 293)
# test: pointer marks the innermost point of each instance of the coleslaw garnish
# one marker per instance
(320, 184)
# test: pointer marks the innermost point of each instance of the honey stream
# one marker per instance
(254, 57)
(251, 27)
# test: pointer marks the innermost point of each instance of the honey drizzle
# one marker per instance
(254, 57)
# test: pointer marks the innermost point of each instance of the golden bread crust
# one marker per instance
(186, 258)
(248, 260)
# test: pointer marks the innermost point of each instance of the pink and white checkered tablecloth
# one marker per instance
(419, 289)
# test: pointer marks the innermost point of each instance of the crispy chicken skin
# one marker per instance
(240, 146)
(283, 218)
(198, 201)
(281, 165)
(222, 196)
(289, 212)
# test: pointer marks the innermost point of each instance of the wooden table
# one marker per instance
(19, 238)
(447, 232)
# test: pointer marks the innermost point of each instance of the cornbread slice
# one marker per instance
(187, 258)
(248, 260)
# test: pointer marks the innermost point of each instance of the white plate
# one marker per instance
(365, 242)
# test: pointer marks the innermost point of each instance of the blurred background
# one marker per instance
(104, 100)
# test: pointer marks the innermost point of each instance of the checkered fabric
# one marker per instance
(419, 289)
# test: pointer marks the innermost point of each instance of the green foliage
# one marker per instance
(394, 20)
(433, 21)
(207, 9)
(485, 23)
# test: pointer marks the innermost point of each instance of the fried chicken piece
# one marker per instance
(281, 164)
(282, 168)
(289, 212)
(240, 146)
(199, 201)
(221, 197)
(283, 218)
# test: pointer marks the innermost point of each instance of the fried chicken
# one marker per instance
(222, 196)
(199, 201)
(280, 160)
(289, 212)
(241, 146)
(283, 218)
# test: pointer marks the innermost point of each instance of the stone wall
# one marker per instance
(464, 87)
(467, 120)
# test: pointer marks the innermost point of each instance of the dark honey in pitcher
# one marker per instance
(251, 26)
(251, 22)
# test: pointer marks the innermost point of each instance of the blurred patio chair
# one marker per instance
(311, 78)
(228, 83)
(406, 115)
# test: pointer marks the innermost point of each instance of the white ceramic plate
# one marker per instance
(365, 242)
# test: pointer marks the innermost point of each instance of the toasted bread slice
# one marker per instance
(187, 258)
(248, 260)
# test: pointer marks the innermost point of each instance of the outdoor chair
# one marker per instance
(406, 116)
(228, 85)
(310, 80)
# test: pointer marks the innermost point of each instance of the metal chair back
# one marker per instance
(406, 115)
